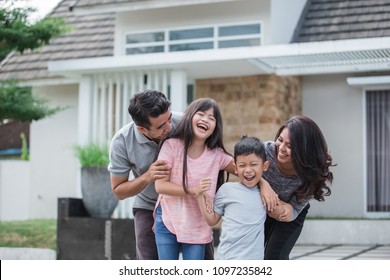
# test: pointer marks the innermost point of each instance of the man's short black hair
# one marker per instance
(146, 104)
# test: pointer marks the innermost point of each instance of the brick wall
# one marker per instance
(10, 134)
(253, 105)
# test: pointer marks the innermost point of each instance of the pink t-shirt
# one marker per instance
(181, 214)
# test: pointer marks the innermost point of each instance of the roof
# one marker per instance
(87, 3)
(88, 7)
(92, 36)
(322, 20)
(325, 20)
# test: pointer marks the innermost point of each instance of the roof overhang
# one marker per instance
(342, 56)
(370, 82)
(100, 7)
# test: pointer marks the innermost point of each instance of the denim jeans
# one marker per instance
(169, 248)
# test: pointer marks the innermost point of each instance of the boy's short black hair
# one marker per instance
(250, 145)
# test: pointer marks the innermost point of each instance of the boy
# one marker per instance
(240, 205)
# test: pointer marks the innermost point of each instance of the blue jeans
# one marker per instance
(169, 248)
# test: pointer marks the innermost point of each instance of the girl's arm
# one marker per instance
(164, 186)
(231, 168)
(210, 216)
(283, 212)
(204, 201)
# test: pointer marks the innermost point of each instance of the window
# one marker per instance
(151, 42)
(195, 38)
(239, 36)
(378, 151)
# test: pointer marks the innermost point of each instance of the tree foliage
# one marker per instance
(17, 102)
(17, 33)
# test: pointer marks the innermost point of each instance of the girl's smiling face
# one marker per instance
(203, 123)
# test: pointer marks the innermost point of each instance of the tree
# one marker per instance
(18, 34)
(18, 103)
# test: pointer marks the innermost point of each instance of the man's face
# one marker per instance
(160, 127)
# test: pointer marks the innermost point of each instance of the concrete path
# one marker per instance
(341, 252)
(300, 252)
(27, 254)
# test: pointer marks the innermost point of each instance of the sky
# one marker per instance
(43, 7)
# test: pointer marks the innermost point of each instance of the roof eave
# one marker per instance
(137, 6)
(343, 56)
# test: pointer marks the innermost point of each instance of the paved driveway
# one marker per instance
(341, 252)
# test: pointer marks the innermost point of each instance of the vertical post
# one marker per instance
(178, 90)
(84, 111)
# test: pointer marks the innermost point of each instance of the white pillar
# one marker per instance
(84, 111)
(178, 90)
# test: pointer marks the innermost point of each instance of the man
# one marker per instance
(134, 149)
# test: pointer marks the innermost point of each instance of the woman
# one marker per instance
(298, 172)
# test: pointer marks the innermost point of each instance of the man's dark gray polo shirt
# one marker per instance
(130, 150)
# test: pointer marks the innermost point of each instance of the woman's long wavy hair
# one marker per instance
(310, 157)
(185, 133)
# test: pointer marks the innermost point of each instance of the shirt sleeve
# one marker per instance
(297, 207)
(219, 202)
(119, 164)
(167, 152)
(226, 159)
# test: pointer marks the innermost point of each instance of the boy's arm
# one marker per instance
(283, 212)
(268, 195)
(210, 216)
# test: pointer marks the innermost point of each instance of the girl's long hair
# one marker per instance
(310, 157)
(185, 133)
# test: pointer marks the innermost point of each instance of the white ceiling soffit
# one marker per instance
(336, 62)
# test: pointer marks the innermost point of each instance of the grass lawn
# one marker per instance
(28, 234)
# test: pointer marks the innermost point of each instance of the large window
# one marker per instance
(378, 151)
(194, 38)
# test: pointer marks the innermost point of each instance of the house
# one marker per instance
(262, 60)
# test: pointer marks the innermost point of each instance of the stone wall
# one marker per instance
(253, 105)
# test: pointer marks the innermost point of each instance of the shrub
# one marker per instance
(92, 155)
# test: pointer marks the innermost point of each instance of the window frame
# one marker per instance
(216, 39)
(369, 214)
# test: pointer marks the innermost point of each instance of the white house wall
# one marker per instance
(53, 164)
(338, 110)
(15, 190)
(219, 13)
(283, 24)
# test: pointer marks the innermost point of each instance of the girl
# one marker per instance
(196, 156)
